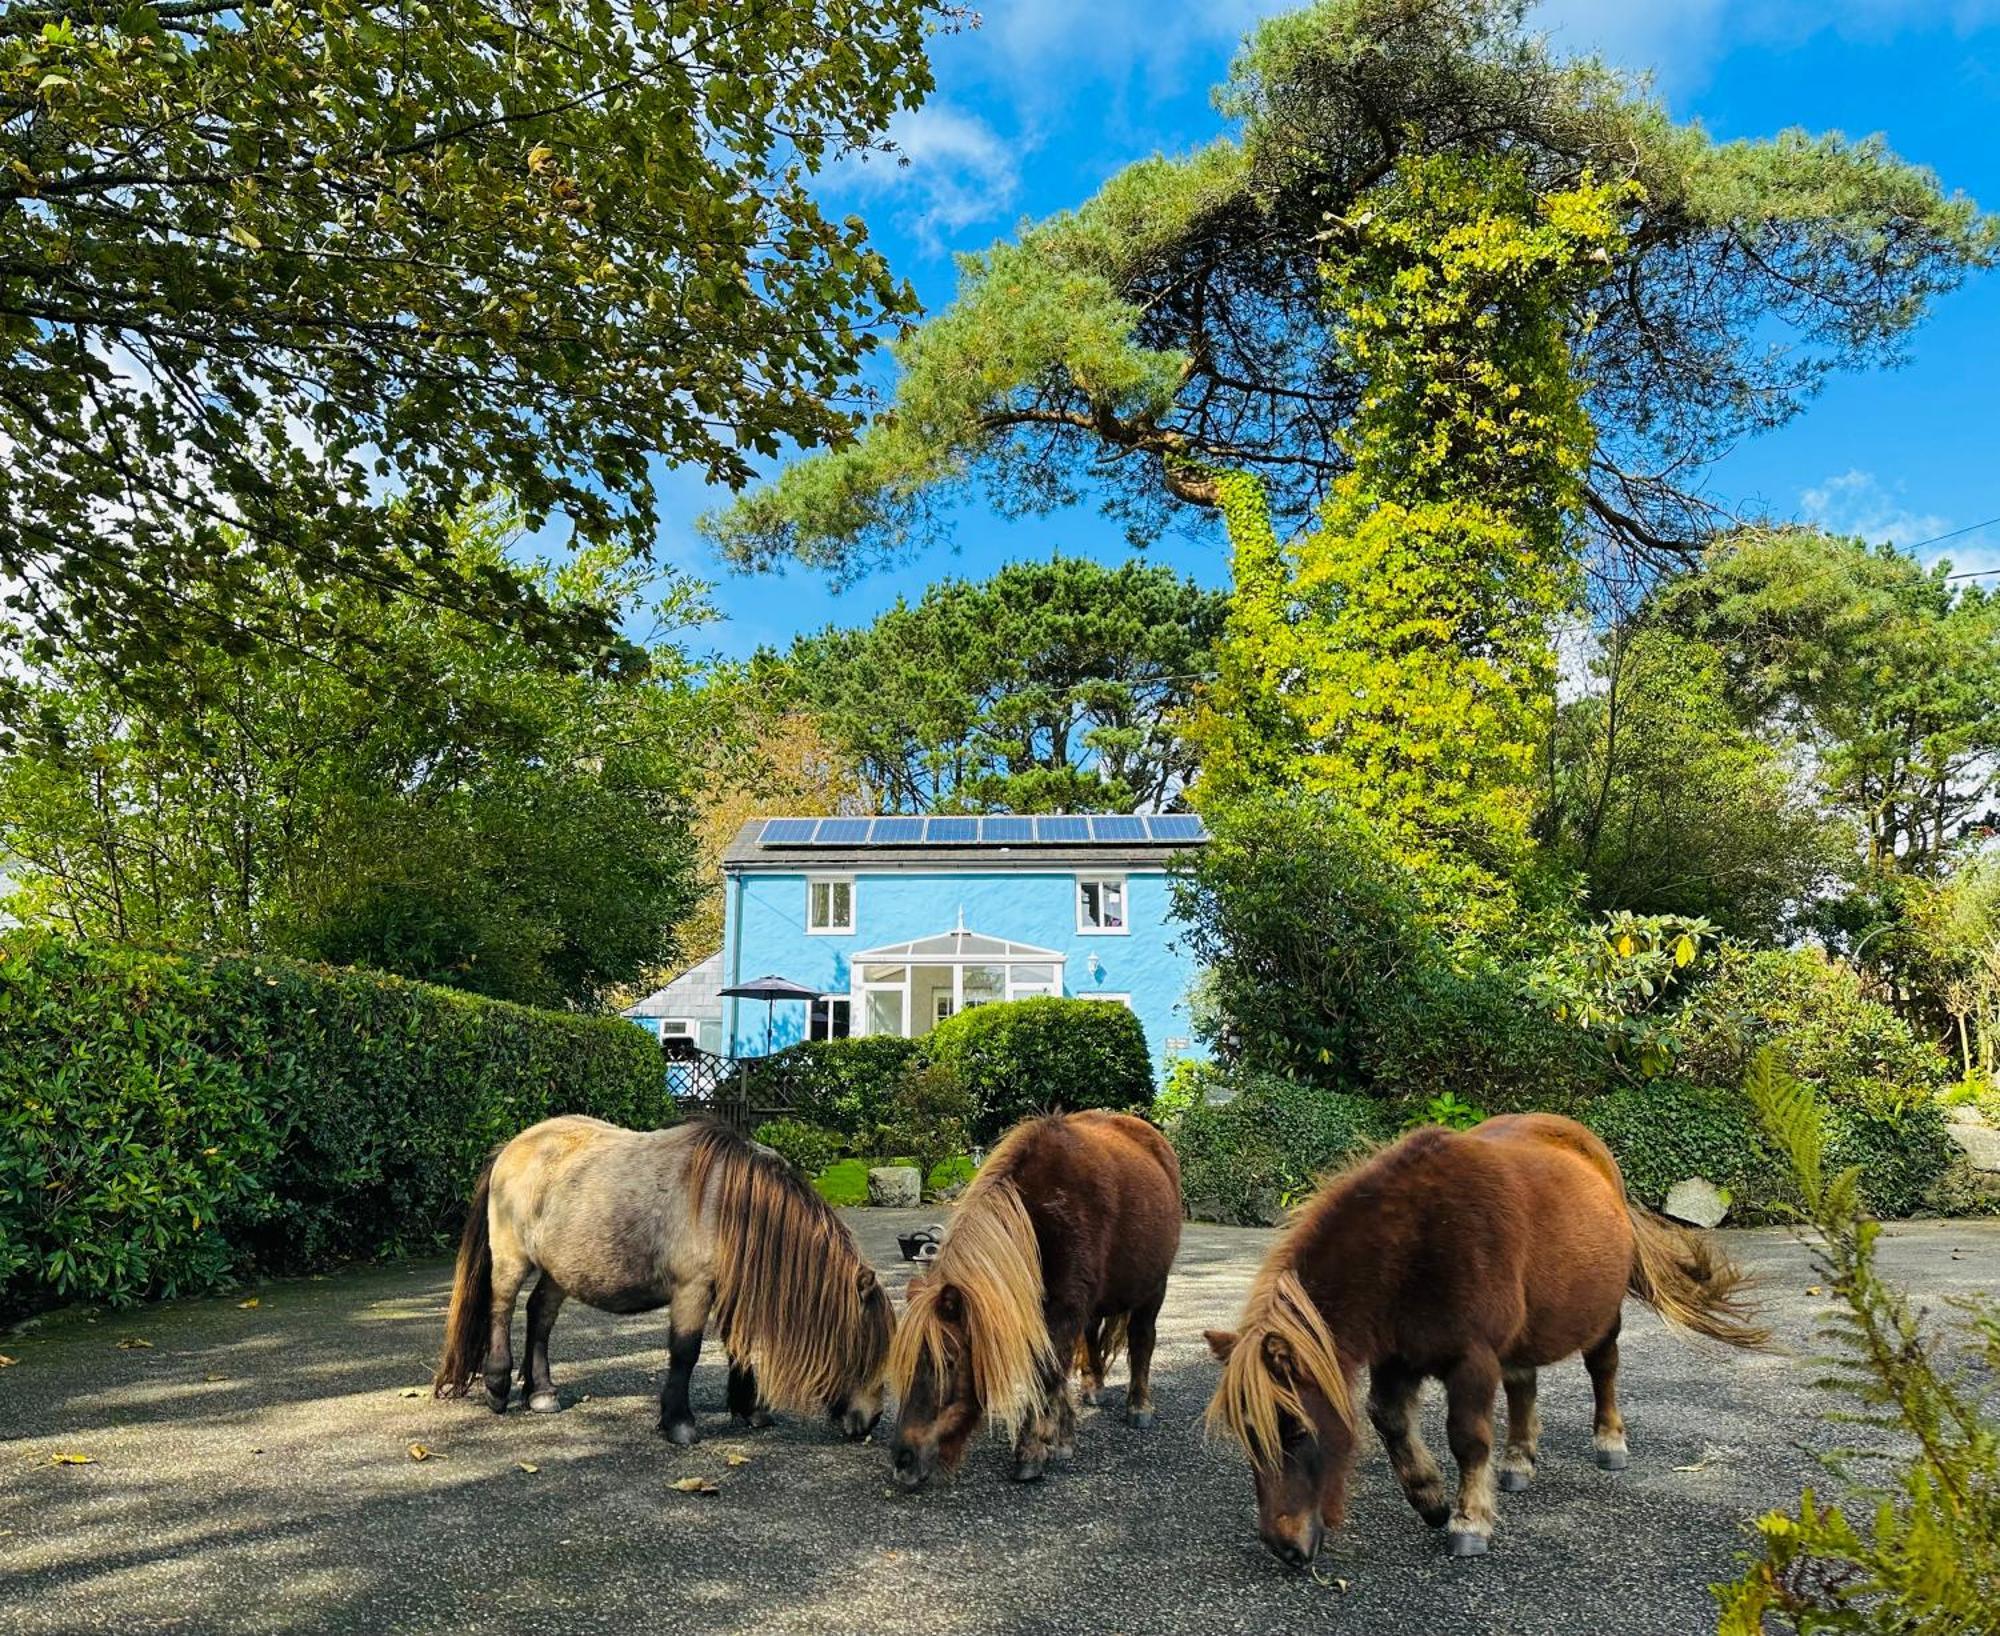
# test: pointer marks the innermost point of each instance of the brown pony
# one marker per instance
(1059, 1250)
(694, 1219)
(1474, 1257)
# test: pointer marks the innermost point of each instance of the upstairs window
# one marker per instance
(830, 905)
(1100, 904)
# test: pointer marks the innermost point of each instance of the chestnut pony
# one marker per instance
(1058, 1252)
(694, 1219)
(1474, 1257)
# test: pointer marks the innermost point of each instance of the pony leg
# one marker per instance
(510, 1271)
(1051, 1429)
(537, 1385)
(1469, 1390)
(1392, 1407)
(686, 1319)
(1524, 1429)
(1092, 1347)
(743, 1404)
(1608, 1433)
(1141, 1330)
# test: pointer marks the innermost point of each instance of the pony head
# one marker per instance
(973, 1345)
(1284, 1396)
(856, 1404)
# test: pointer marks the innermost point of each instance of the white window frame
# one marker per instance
(676, 1028)
(1115, 999)
(1100, 881)
(830, 1001)
(813, 882)
(945, 1004)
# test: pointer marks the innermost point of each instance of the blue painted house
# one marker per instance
(898, 922)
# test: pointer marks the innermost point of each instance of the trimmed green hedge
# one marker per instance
(1251, 1158)
(167, 1122)
(1024, 1057)
(839, 1085)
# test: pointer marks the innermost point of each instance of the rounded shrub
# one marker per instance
(1023, 1057)
(844, 1086)
(1898, 1139)
(808, 1149)
(1250, 1157)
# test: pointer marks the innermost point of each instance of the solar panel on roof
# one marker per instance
(786, 831)
(1118, 828)
(896, 832)
(1006, 831)
(1175, 826)
(1062, 829)
(841, 832)
(951, 831)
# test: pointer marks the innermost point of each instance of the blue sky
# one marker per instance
(1036, 107)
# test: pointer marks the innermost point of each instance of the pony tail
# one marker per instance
(1689, 1282)
(467, 1324)
(1283, 1319)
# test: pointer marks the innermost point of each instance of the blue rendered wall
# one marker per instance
(765, 935)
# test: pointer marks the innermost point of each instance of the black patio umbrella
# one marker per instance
(771, 990)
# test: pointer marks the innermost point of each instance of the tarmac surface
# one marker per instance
(251, 1469)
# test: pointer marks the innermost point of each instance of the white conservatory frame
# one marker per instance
(1026, 970)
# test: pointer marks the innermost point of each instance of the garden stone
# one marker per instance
(1979, 1143)
(1698, 1202)
(896, 1187)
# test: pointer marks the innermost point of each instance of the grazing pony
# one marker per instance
(1471, 1256)
(1059, 1249)
(694, 1219)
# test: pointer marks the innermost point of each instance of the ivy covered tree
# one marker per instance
(264, 263)
(1053, 686)
(1179, 324)
(439, 806)
(1399, 656)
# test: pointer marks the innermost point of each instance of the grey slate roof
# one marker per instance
(693, 994)
(749, 853)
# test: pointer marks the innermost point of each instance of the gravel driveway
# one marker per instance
(251, 1471)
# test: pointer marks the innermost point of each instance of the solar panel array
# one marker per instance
(1063, 829)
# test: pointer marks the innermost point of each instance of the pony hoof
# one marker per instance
(1465, 1543)
(680, 1433)
(1090, 1396)
(543, 1403)
(1513, 1482)
(1028, 1471)
(1613, 1459)
(1139, 1419)
(1436, 1516)
(497, 1401)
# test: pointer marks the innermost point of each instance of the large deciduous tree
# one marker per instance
(1180, 323)
(1054, 686)
(263, 263)
(439, 806)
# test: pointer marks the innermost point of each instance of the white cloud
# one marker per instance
(952, 170)
(1859, 503)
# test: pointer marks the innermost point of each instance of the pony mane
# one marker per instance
(989, 1255)
(1251, 1394)
(789, 1297)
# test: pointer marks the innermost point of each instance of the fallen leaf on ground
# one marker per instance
(7, 1362)
(212, 1379)
(737, 1459)
(420, 1451)
(413, 1391)
(72, 1459)
(250, 1305)
(1814, 1289)
(135, 1343)
(528, 1466)
(696, 1485)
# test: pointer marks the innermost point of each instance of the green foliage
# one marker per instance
(1017, 1058)
(263, 262)
(808, 1149)
(1896, 1139)
(1450, 1110)
(1665, 802)
(168, 1122)
(1249, 1157)
(1667, 1130)
(1053, 686)
(442, 807)
(839, 1085)
(931, 1114)
(1399, 657)
(1180, 320)
(1890, 671)
(1919, 1548)
(1619, 981)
